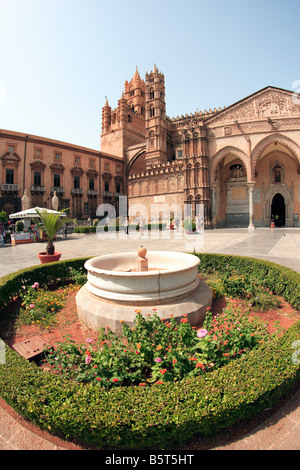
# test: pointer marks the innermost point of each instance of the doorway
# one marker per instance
(278, 210)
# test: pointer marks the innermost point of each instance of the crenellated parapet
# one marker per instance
(168, 168)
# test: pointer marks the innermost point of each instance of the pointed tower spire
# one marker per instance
(135, 93)
(106, 117)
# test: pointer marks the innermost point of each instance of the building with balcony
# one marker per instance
(42, 166)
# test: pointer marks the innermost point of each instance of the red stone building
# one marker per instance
(242, 162)
(82, 178)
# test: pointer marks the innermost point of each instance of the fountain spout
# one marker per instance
(142, 262)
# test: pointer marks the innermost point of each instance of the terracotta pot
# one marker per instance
(142, 252)
(44, 258)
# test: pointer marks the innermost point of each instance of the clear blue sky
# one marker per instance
(60, 58)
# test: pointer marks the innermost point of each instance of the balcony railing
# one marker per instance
(10, 188)
(58, 189)
(77, 191)
(108, 194)
(37, 188)
(92, 192)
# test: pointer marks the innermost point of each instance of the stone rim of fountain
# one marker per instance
(111, 297)
(175, 279)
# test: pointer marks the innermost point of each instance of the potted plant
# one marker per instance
(50, 223)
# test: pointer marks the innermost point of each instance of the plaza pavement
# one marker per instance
(280, 431)
(280, 245)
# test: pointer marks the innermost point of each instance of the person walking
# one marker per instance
(126, 223)
(142, 226)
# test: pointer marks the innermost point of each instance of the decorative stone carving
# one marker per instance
(270, 103)
(237, 172)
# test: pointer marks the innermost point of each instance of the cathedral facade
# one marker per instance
(241, 162)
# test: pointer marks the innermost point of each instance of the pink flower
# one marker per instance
(31, 305)
(158, 359)
(202, 333)
(36, 284)
(88, 359)
(89, 340)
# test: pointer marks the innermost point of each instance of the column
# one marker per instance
(214, 204)
(251, 206)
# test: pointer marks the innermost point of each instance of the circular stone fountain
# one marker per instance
(119, 284)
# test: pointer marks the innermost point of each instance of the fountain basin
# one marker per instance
(115, 289)
(170, 275)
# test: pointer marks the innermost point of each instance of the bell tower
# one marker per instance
(135, 94)
(156, 128)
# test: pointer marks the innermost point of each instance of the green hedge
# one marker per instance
(119, 228)
(12, 284)
(156, 416)
(281, 280)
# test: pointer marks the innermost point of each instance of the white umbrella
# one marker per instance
(33, 213)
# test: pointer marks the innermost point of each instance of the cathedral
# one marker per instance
(241, 162)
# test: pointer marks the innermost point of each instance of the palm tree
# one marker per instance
(50, 223)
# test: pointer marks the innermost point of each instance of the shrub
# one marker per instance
(279, 279)
(164, 414)
(246, 287)
(19, 226)
(85, 229)
(3, 217)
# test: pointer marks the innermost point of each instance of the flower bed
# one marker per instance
(156, 351)
(166, 413)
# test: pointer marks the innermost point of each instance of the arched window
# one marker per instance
(187, 145)
(189, 176)
(151, 142)
(197, 175)
(195, 143)
(277, 173)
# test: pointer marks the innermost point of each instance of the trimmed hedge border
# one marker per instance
(157, 416)
(119, 228)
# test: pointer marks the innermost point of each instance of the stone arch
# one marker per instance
(268, 196)
(229, 150)
(198, 198)
(258, 150)
(140, 153)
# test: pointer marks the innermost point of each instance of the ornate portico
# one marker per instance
(261, 134)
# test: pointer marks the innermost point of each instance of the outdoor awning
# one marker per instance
(33, 213)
